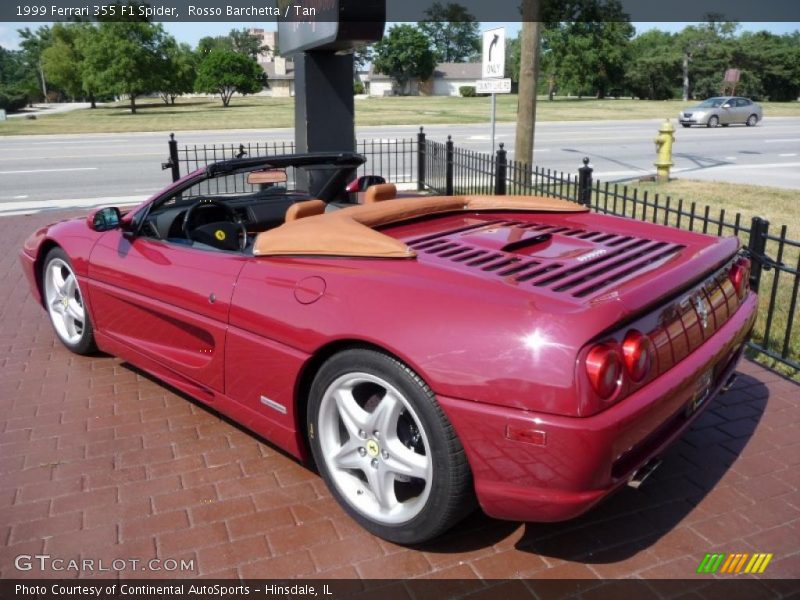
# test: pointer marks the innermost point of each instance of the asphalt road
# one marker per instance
(58, 171)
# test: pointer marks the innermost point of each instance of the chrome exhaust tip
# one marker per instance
(729, 383)
(643, 472)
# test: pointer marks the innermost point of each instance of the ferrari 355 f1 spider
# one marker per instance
(425, 352)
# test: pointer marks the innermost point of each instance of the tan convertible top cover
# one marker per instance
(350, 231)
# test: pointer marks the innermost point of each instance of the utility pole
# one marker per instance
(528, 76)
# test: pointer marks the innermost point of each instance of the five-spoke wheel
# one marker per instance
(65, 304)
(385, 448)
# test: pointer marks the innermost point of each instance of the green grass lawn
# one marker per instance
(260, 113)
(780, 207)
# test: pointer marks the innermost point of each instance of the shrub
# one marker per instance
(358, 88)
(467, 91)
(12, 99)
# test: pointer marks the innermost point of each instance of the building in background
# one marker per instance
(447, 80)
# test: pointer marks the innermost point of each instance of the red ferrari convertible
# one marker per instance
(426, 352)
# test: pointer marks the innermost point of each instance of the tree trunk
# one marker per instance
(551, 87)
(686, 59)
(44, 83)
(133, 104)
(528, 76)
(93, 101)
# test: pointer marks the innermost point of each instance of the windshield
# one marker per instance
(712, 103)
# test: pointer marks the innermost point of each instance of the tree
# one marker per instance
(589, 56)
(13, 71)
(404, 54)
(240, 41)
(529, 47)
(362, 57)
(244, 42)
(769, 64)
(224, 72)
(64, 61)
(453, 32)
(178, 71)
(127, 58)
(709, 46)
(654, 68)
(33, 44)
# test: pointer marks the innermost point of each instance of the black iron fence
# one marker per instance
(443, 168)
(393, 158)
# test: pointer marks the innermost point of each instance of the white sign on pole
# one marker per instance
(493, 86)
(494, 53)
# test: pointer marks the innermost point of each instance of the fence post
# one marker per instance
(421, 152)
(172, 161)
(757, 246)
(585, 183)
(448, 185)
(500, 171)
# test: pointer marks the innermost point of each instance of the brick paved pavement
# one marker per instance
(99, 461)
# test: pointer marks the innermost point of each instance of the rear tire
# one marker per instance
(687, 125)
(752, 120)
(65, 303)
(713, 121)
(385, 449)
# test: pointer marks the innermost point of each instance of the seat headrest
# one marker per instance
(307, 208)
(380, 192)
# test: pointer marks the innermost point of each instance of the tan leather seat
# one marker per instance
(300, 210)
(380, 192)
(352, 231)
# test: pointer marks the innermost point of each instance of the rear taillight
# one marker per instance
(637, 354)
(604, 368)
(352, 187)
(740, 276)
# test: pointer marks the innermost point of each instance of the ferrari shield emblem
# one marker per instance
(219, 234)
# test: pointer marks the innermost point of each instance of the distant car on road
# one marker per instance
(722, 110)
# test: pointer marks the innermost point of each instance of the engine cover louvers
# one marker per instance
(564, 260)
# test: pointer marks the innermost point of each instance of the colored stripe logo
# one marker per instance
(735, 563)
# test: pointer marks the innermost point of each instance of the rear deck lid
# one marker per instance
(577, 258)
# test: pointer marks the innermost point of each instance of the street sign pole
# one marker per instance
(494, 117)
(493, 69)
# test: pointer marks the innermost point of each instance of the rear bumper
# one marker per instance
(582, 460)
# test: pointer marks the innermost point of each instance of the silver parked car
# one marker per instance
(722, 110)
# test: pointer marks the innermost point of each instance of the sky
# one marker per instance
(192, 32)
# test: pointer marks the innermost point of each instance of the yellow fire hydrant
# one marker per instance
(664, 140)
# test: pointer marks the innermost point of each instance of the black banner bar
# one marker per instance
(399, 10)
(447, 589)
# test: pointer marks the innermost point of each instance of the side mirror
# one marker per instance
(726, 106)
(363, 182)
(104, 219)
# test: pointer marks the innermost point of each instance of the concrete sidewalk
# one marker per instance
(98, 461)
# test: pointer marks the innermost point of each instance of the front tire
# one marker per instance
(65, 303)
(385, 449)
(713, 121)
(687, 125)
(752, 120)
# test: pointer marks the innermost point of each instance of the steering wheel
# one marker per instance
(225, 235)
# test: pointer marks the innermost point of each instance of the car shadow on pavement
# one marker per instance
(631, 521)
